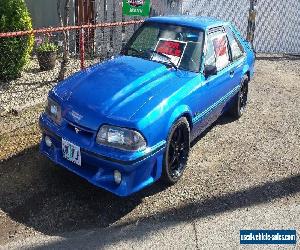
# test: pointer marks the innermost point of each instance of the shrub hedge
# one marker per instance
(14, 52)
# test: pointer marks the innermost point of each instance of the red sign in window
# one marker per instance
(173, 49)
(220, 46)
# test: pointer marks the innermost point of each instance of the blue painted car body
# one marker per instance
(143, 95)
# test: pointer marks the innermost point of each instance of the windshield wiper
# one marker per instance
(156, 52)
(165, 56)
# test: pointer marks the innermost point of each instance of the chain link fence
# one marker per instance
(277, 22)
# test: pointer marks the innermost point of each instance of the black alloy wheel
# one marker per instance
(177, 151)
(243, 96)
(240, 100)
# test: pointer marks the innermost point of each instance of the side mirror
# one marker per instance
(210, 70)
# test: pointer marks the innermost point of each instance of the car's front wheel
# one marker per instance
(240, 100)
(177, 151)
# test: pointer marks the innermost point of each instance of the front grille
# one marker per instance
(80, 130)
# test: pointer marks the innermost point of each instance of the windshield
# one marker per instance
(172, 45)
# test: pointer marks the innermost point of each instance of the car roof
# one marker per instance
(203, 23)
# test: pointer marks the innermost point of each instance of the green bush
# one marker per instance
(47, 47)
(14, 52)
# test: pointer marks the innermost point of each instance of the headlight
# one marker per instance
(53, 110)
(122, 138)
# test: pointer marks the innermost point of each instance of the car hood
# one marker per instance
(115, 89)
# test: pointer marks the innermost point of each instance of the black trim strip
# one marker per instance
(106, 158)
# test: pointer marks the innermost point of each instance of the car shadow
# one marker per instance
(50, 199)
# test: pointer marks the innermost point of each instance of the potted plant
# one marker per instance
(47, 54)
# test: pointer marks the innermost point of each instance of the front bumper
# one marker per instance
(138, 170)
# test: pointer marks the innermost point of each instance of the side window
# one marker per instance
(191, 58)
(210, 57)
(217, 50)
(237, 50)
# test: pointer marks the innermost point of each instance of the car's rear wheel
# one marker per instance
(240, 100)
(177, 151)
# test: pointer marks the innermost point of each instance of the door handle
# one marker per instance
(231, 72)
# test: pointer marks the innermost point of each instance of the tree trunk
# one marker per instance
(64, 21)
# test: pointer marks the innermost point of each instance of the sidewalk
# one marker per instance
(220, 231)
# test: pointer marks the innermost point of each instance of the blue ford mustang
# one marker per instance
(127, 122)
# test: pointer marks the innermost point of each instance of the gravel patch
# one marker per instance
(234, 164)
(33, 85)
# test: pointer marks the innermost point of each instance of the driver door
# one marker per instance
(213, 94)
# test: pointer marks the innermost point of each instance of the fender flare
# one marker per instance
(182, 110)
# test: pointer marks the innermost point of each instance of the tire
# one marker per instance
(240, 99)
(177, 151)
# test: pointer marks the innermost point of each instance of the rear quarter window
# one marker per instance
(237, 50)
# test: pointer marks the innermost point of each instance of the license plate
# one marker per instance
(71, 152)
